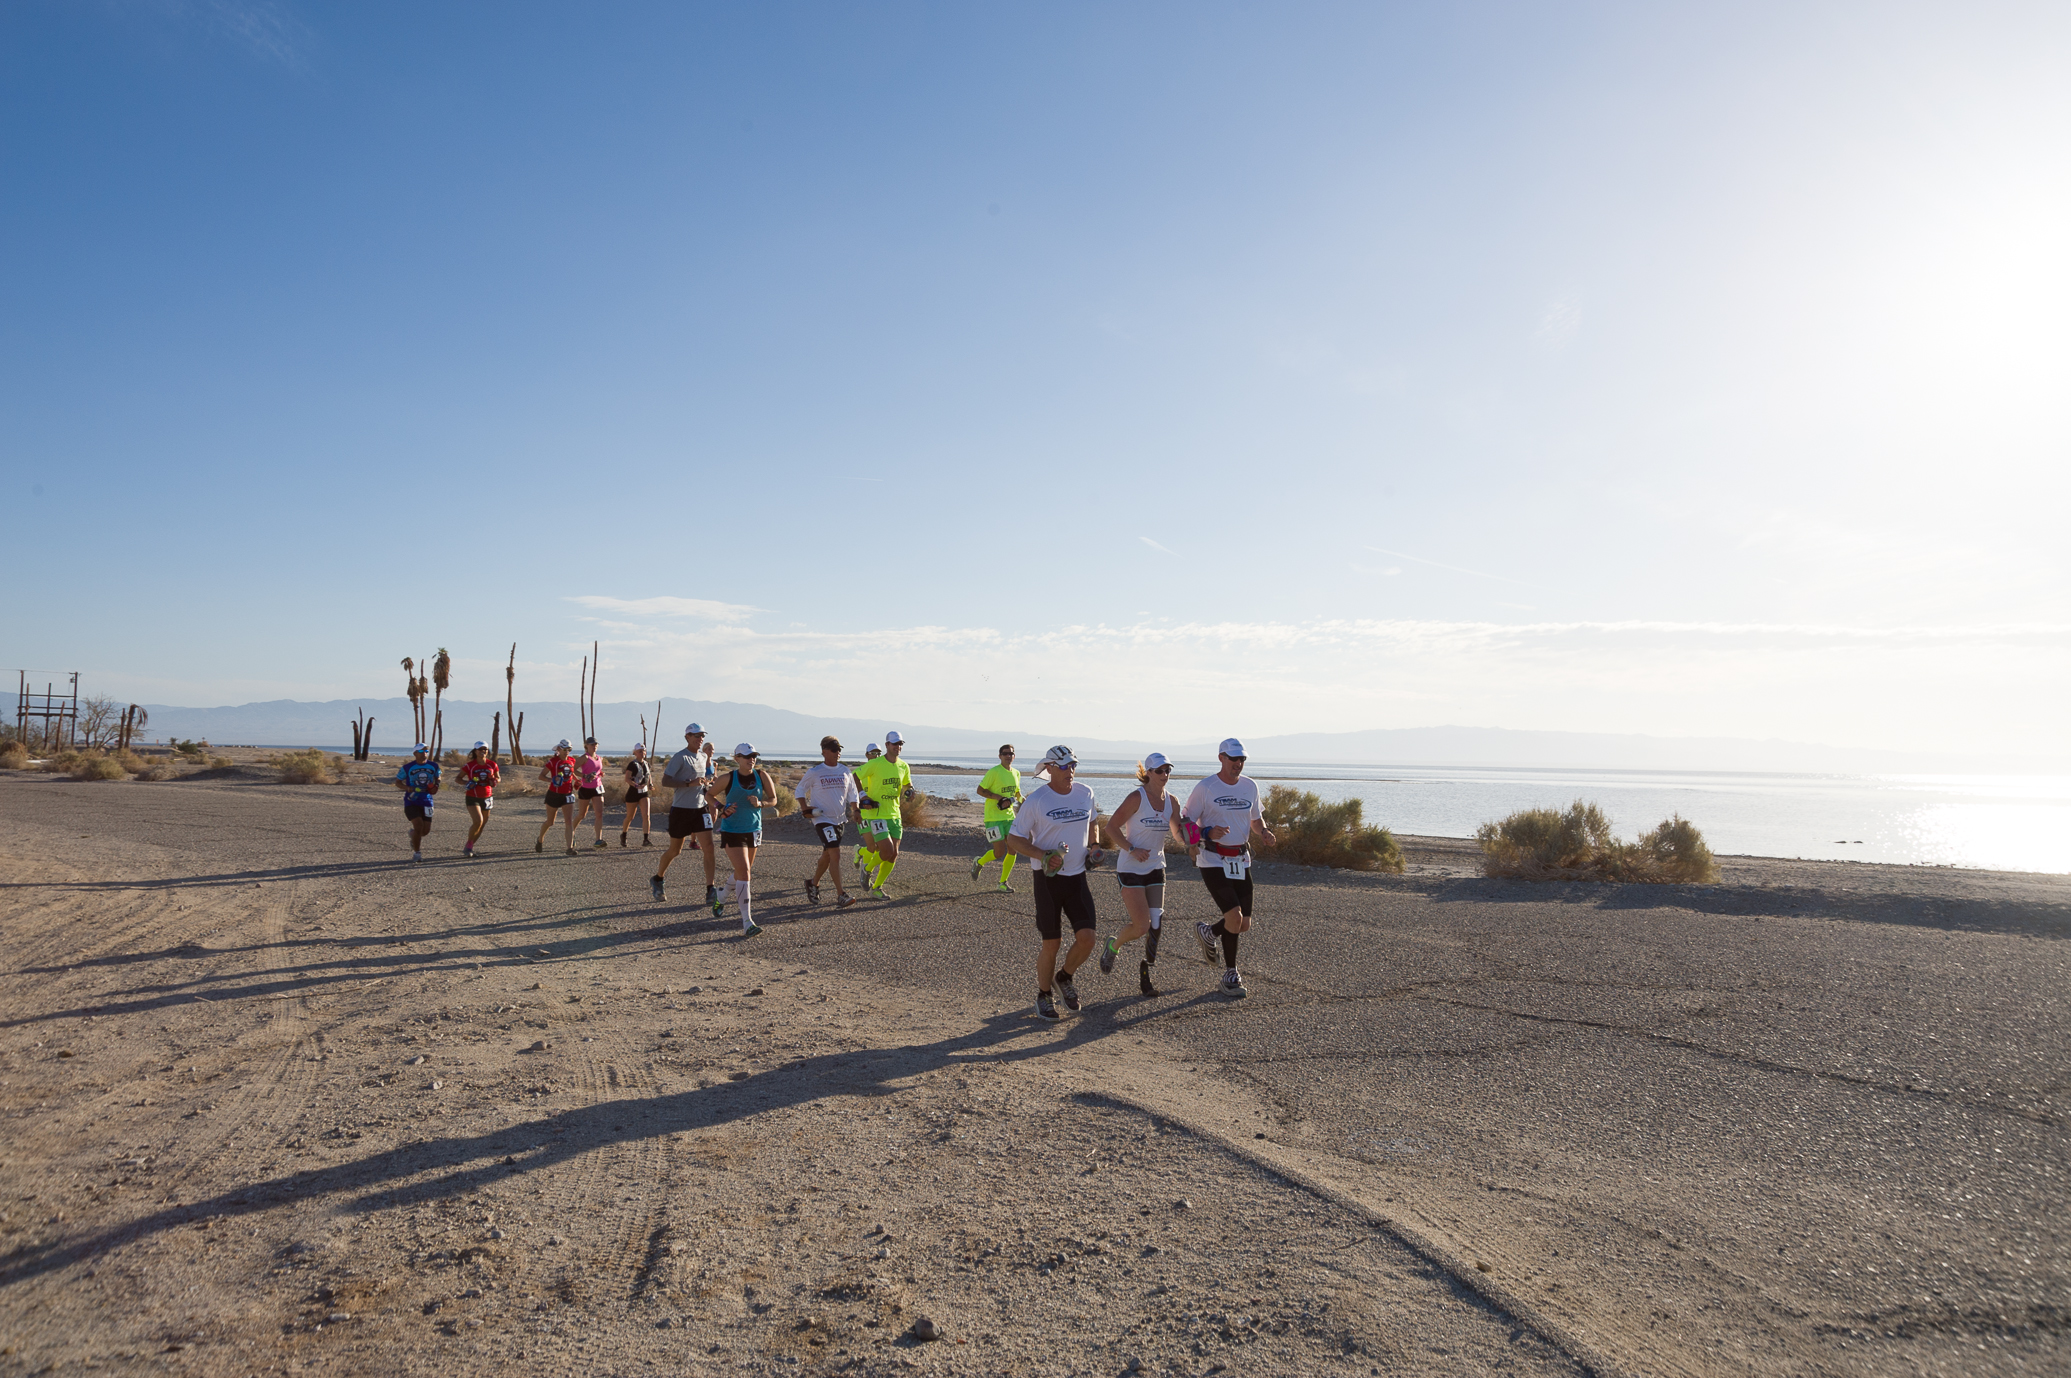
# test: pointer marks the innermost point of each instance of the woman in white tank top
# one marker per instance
(1137, 830)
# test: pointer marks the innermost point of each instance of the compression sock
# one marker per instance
(740, 897)
(988, 858)
(1150, 939)
(885, 875)
(1229, 949)
(1006, 867)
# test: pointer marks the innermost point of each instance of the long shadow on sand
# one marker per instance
(383, 1180)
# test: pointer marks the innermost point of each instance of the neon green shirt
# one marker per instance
(1001, 780)
(883, 783)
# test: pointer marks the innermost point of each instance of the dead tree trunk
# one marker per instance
(510, 707)
(582, 716)
(596, 664)
(495, 735)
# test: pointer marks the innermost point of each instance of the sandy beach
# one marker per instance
(278, 1101)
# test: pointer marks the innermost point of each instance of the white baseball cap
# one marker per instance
(1231, 747)
(1156, 760)
(565, 742)
(698, 728)
(479, 746)
(1057, 756)
(893, 738)
(420, 747)
(746, 749)
(873, 747)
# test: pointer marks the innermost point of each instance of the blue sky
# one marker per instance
(1127, 370)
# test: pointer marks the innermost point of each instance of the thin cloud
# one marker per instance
(705, 609)
(261, 27)
(1457, 569)
(1155, 546)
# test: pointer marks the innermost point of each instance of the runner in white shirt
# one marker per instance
(1137, 830)
(1054, 826)
(1222, 815)
(827, 796)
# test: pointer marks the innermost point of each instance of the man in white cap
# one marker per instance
(1221, 816)
(1054, 827)
(870, 753)
(690, 816)
(418, 779)
(884, 784)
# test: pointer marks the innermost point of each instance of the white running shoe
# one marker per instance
(1233, 985)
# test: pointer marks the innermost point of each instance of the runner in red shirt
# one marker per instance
(558, 773)
(478, 777)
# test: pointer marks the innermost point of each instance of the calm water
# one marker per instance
(2001, 822)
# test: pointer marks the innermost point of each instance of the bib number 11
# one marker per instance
(1235, 866)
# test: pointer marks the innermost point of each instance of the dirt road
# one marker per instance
(274, 1104)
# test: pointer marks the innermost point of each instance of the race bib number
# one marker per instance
(1235, 866)
(830, 835)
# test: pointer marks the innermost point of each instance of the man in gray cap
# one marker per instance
(690, 816)
(1221, 815)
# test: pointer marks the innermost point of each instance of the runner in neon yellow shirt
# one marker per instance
(884, 783)
(1001, 791)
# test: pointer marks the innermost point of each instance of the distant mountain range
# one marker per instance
(780, 732)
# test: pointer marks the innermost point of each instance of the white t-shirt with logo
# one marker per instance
(827, 791)
(1214, 804)
(1148, 828)
(1050, 820)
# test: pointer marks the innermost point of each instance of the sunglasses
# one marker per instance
(1162, 770)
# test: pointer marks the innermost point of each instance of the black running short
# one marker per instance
(688, 822)
(747, 840)
(556, 801)
(1061, 897)
(634, 796)
(585, 792)
(1228, 894)
(1139, 880)
(487, 801)
(830, 834)
(417, 812)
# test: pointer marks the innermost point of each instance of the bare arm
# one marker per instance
(1118, 827)
(1259, 829)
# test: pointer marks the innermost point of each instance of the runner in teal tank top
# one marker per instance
(749, 790)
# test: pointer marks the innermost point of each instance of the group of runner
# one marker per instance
(1056, 825)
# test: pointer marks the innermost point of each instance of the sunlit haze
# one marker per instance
(1148, 371)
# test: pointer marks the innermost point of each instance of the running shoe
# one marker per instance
(712, 894)
(1004, 889)
(468, 852)
(1205, 935)
(659, 887)
(718, 908)
(571, 851)
(1233, 985)
(753, 930)
(812, 891)
(539, 844)
(621, 840)
(879, 892)
(1046, 1008)
(844, 901)
(417, 856)
(647, 839)
(1143, 979)
(1107, 957)
(600, 842)
(977, 867)
(1069, 990)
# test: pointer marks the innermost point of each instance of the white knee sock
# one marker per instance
(1157, 918)
(740, 896)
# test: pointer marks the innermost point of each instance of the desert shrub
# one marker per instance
(1313, 833)
(156, 770)
(14, 756)
(309, 767)
(220, 763)
(917, 812)
(130, 760)
(1577, 844)
(93, 765)
(64, 763)
(787, 802)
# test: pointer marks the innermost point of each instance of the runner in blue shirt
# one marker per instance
(419, 781)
